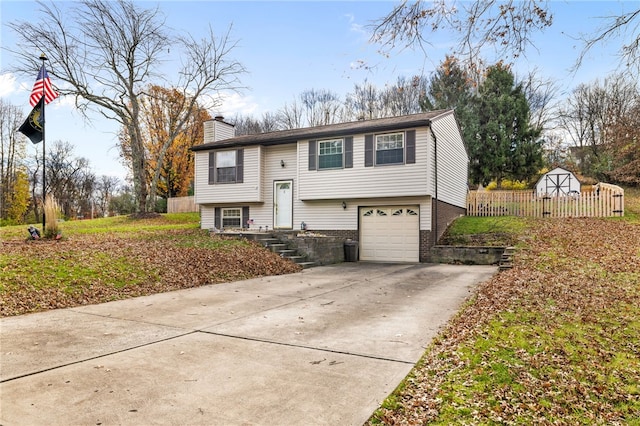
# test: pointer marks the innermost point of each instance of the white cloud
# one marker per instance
(235, 103)
(7, 84)
(355, 27)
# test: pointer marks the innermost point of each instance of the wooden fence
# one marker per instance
(601, 200)
(182, 205)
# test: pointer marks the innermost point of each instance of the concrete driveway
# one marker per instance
(323, 346)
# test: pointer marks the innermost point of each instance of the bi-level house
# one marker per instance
(393, 184)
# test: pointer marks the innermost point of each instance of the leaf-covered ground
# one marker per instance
(555, 340)
(98, 267)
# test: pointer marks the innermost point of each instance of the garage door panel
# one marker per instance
(390, 233)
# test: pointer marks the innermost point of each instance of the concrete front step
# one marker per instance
(268, 241)
(506, 260)
(277, 248)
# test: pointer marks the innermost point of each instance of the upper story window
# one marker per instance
(390, 148)
(330, 154)
(226, 166)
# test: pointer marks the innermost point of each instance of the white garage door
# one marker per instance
(390, 234)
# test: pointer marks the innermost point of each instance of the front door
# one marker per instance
(283, 204)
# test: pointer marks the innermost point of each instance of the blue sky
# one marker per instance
(291, 46)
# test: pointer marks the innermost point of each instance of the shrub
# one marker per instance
(51, 212)
(508, 185)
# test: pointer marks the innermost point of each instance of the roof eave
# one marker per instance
(343, 129)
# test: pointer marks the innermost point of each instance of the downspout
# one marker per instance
(435, 163)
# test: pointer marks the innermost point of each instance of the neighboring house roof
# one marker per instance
(341, 129)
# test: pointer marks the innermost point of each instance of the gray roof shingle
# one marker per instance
(331, 130)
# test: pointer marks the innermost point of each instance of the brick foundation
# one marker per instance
(446, 213)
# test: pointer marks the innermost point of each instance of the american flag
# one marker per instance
(42, 85)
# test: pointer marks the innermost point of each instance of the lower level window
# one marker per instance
(231, 218)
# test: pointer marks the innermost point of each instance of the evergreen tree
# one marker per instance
(451, 87)
(503, 144)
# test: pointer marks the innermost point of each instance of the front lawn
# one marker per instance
(113, 258)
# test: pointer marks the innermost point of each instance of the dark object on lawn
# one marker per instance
(34, 233)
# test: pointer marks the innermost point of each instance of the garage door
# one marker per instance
(390, 234)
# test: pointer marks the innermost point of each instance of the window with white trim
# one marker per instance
(231, 218)
(390, 148)
(330, 154)
(225, 166)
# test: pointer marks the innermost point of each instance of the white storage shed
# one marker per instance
(558, 183)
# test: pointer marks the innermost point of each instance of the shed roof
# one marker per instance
(331, 130)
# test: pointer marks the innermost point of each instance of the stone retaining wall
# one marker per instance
(324, 250)
(466, 255)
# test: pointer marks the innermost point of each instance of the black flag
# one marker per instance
(32, 126)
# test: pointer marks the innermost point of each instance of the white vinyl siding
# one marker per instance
(207, 217)
(393, 180)
(329, 215)
(250, 190)
(453, 162)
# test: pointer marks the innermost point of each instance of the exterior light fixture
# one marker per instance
(344, 205)
(282, 163)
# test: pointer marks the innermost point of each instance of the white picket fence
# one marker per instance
(601, 200)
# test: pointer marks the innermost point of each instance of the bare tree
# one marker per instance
(592, 115)
(105, 190)
(321, 107)
(625, 25)
(290, 116)
(506, 25)
(105, 54)
(364, 102)
(12, 153)
(69, 179)
(246, 125)
(541, 94)
(403, 98)
(625, 148)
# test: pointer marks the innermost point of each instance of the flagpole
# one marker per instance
(43, 57)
